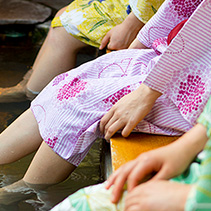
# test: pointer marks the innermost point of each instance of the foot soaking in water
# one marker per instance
(147, 90)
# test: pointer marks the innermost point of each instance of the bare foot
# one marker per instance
(157, 195)
(17, 191)
(15, 93)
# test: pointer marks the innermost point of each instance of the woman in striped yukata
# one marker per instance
(189, 191)
(159, 89)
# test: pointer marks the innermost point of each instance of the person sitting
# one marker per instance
(80, 24)
(127, 90)
(189, 191)
(172, 177)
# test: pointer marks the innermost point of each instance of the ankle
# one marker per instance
(35, 187)
(30, 94)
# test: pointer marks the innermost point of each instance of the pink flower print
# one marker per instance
(51, 142)
(117, 96)
(185, 8)
(59, 78)
(190, 94)
(71, 89)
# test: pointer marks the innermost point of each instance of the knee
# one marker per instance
(54, 33)
(57, 37)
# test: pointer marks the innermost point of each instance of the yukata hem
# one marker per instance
(73, 159)
(56, 22)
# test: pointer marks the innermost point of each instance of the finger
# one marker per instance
(143, 171)
(163, 174)
(134, 207)
(110, 181)
(126, 169)
(133, 201)
(104, 41)
(112, 127)
(105, 119)
(120, 180)
(131, 124)
(127, 130)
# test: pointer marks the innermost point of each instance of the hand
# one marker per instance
(165, 162)
(118, 38)
(161, 163)
(136, 44)
(128, 112)
(157, 195)
(121, 36)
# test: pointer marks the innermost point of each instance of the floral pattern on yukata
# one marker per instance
(59, 78)
(181, 9)
(75, 121)
(167, 17)
(111, 100)
(184, 8)
(71, 89)
(118, 95)
(90, 20)
(192, 89)
(51, 142)
(144, 10)
(190, 94)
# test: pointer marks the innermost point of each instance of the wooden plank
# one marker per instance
(126, 149)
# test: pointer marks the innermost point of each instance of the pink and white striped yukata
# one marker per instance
(69, 109)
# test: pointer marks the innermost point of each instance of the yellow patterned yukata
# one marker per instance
(90, 20)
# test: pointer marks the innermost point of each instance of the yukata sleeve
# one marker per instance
(177, 73)
(182, 50)
(200, 195)
(145, 9)
(170, 13)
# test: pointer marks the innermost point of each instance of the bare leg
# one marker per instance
(19, 139)
(57, 55)
(47, 168)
